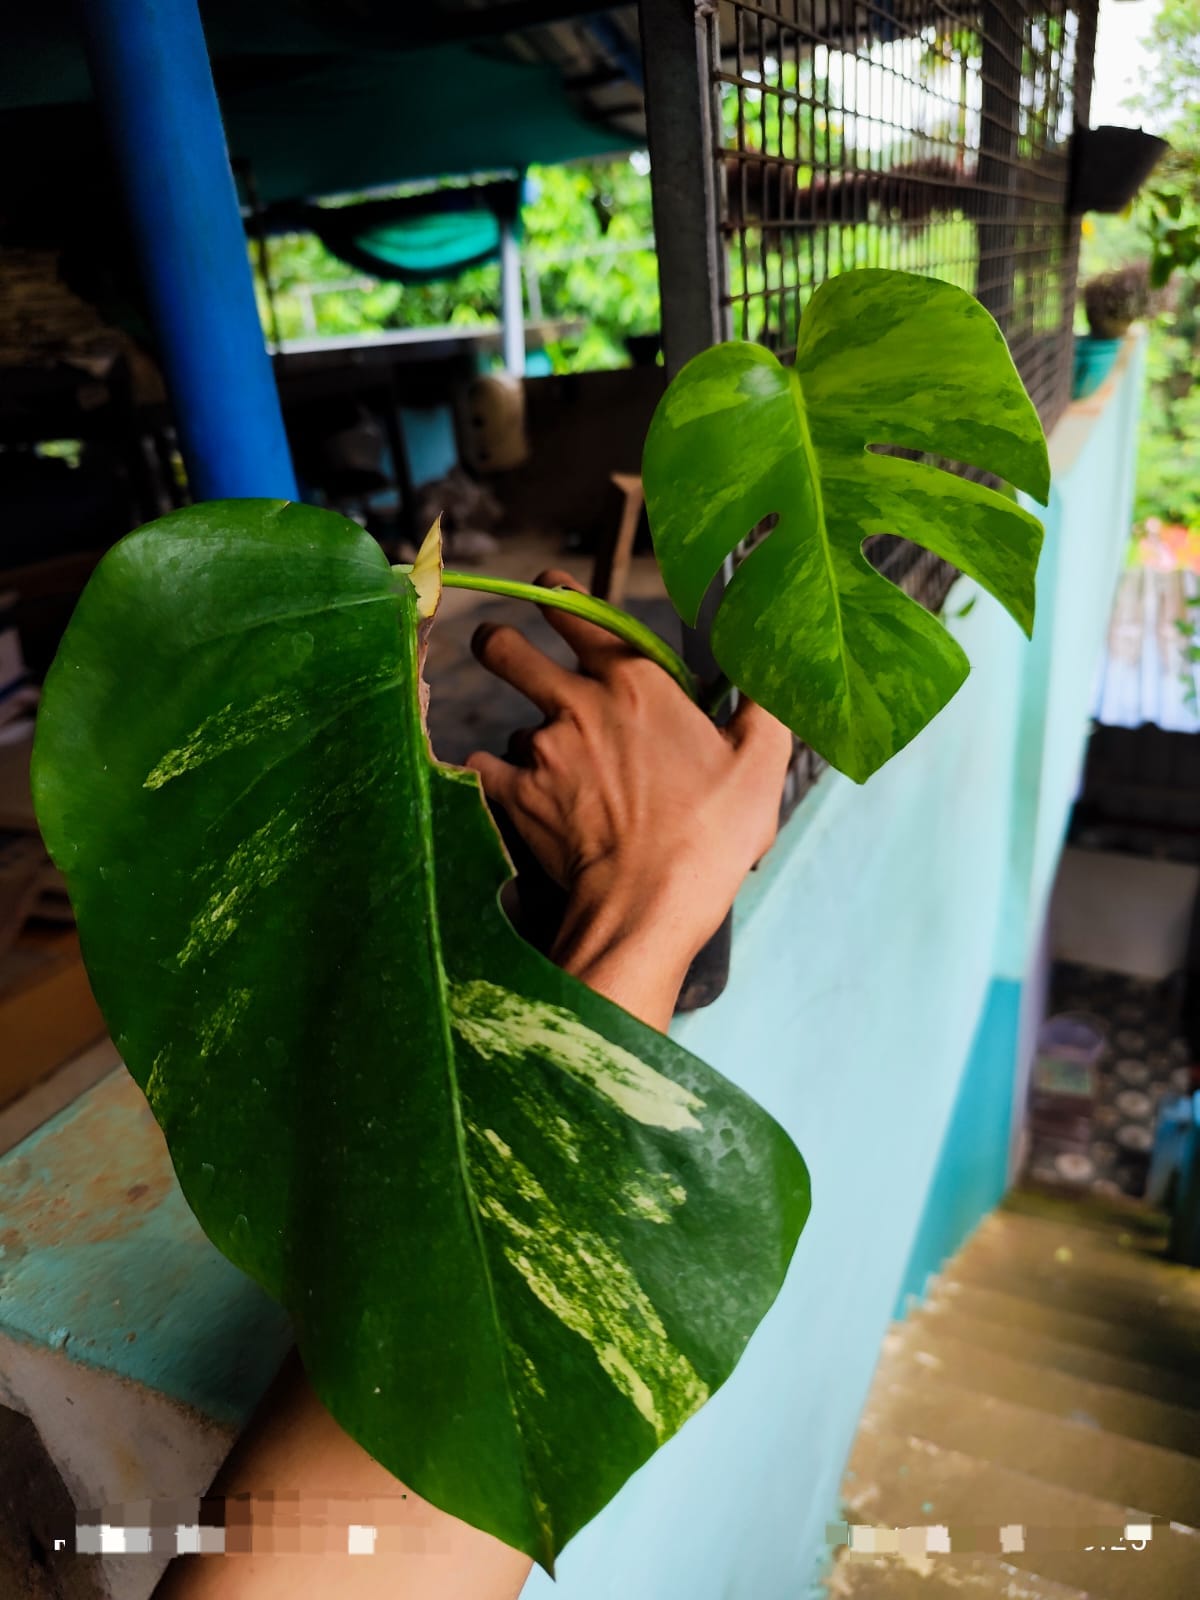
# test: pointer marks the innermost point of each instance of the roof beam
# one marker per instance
(433, 27)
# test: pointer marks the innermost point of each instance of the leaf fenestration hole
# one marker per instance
(757, 534)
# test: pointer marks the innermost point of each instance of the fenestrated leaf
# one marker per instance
(806, 626)
(522, 1236)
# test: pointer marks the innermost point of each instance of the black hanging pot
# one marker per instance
(1109, 165)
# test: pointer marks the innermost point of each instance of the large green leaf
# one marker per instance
(522, 1236)
(806, 626)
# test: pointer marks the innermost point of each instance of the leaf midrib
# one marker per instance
(425, 767)
(814, 473)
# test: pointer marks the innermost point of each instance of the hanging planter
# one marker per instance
(1113, 301)
(1109, 165)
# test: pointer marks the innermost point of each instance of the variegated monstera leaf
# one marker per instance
(807, 627)
(522, 1237)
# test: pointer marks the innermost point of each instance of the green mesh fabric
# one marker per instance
(429, 246)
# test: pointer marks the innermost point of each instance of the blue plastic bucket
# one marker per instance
(1094, 360)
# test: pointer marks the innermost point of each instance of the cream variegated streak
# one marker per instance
(239, 728)
(502, 1025)
(579, 1277)
(255, 864)
(576, 1273)
(260, 860)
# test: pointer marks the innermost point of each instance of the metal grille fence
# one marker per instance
(919, 134)
(928, 135)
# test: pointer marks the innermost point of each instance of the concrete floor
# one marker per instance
(1143, 1061)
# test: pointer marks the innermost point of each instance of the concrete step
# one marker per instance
(944, 1317)
(913, 1400)
(1061, 1394)
(1127, 1255)
(856, 1577)
(897, 1480)
(1171, 1321)
(1066, 1261)
(1101, 1214)
(1138, 1338)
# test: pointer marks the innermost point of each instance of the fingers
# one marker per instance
(595, 646)
(499, 778)
(510, 656)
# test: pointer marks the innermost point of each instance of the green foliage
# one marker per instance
(1172, 221)
(1164, 224)
(588, 237)
(1168, 467)
(807, 627)
(1171, 96)
(522, 1236)
(300, 265)
(589, 234)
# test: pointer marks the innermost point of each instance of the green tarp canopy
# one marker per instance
(417, 239)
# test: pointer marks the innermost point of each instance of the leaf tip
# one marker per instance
(1040, 488)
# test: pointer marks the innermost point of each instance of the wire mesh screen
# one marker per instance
(928, 135)
(906, 133)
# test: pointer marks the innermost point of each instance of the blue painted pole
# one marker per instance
(154, 85)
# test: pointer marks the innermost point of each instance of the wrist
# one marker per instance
(632, 937)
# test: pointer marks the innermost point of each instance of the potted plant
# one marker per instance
(1113, 302)
(522, 1236)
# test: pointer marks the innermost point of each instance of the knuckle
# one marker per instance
(553, 578)
(620, 670)
(632, 676)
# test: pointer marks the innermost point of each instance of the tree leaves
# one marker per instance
(806, 626)
(522, 1237)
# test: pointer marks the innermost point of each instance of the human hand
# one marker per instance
(644, 811)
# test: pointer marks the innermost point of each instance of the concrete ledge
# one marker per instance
(132, 1345)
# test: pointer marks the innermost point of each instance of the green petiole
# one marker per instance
(588, 607)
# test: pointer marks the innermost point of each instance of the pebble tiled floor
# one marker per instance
(1143, 1061)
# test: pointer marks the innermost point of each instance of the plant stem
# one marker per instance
(587, 606)
(716, 696)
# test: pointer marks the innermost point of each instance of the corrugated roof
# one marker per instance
(1146, 676)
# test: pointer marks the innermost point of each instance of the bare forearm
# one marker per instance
(322, 1482)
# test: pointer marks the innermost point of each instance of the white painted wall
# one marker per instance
(1125, 913)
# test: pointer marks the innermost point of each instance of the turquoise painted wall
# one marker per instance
(1087, 530)
(873, 1006)
(972, 1170)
